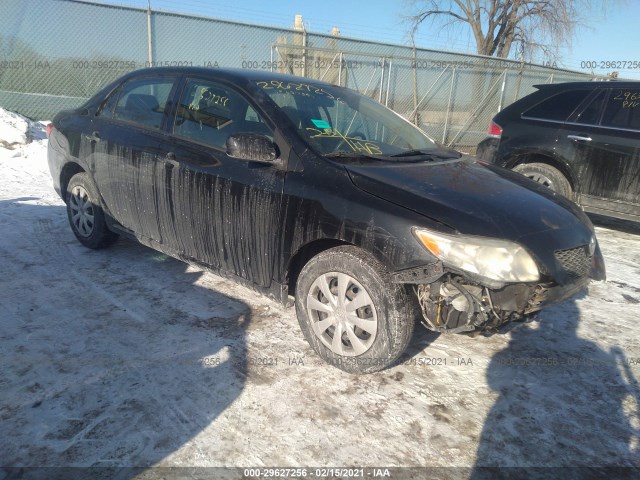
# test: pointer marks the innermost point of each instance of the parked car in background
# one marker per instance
(316, 194)
(581, 139)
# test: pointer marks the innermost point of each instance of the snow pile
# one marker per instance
(19, 135)
(14, 129)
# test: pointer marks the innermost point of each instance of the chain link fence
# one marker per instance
(54, 54)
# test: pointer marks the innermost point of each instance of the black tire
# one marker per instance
(546, 175)
(390, 307)
(85, 213)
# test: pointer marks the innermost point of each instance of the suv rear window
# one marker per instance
(557, 107)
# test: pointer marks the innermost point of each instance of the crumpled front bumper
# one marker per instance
(440, 293)
(531, 298)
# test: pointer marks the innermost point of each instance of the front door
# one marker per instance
(221, 211)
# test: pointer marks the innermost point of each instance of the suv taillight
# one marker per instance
(49, 129)
(495, 130)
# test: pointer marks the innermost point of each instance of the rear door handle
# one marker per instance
(94, 137)
(170, 160)
(579, 138)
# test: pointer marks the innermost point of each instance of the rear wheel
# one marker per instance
(546, 175)
(350, 311)
(85, 213)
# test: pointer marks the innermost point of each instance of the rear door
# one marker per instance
(221, 211)
(603, 142)
(126, 138)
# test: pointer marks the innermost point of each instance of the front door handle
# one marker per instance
(94, 137)
(579, 138)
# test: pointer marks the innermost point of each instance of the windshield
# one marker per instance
(341, 122)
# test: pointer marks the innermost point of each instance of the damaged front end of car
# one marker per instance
(482, 283)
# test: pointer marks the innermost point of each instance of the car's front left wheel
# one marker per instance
(350, 311)
(85, 213)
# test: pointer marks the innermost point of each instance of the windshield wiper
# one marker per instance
(439, 154)
(343, 154)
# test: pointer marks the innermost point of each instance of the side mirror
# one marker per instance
(251, 146)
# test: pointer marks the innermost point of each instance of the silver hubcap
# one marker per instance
(81, 211)
(342, 314)
(542, 179)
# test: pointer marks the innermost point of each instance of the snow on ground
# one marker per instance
(126, 357)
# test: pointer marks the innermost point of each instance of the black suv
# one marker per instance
(581, 139)
(302, 189)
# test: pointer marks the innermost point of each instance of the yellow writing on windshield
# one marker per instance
(297, 88)
(355, 144)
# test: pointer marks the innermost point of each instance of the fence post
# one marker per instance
(520, 73)
(149, 35)
(416, 116)
(304, 51)
(386, 100)
(446, 118)
(384, 64)
(504, 83)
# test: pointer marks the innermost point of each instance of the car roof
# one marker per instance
(594, 85)
(230, 74)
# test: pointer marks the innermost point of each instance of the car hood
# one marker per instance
(475, 198)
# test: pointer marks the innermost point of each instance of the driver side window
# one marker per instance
(209, 112)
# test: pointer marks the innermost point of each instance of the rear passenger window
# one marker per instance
(623, 109)
(558, 107)
(143, 101)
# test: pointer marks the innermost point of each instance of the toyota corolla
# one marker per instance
(315, 194)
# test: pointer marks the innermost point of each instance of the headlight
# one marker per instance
(494, 259)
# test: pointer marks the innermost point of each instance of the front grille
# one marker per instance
(574, 261)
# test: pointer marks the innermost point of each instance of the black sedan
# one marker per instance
(308, 191)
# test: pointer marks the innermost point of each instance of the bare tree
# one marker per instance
(499, 25)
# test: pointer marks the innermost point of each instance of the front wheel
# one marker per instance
(85, 213)
(350, 311)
